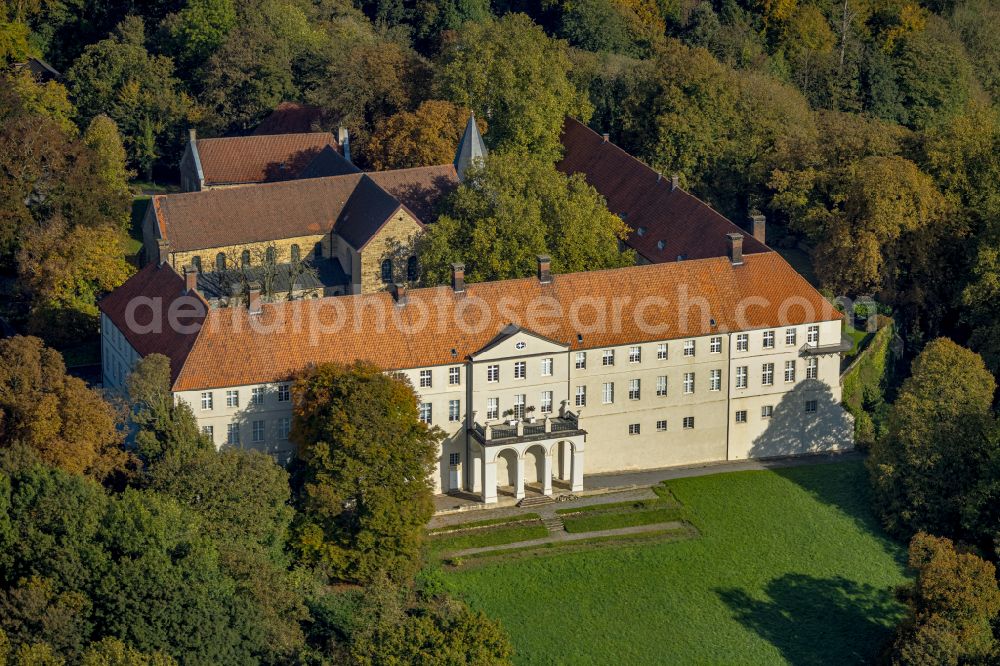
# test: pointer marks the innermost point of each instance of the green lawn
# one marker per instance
(790, 567)
(590, 521)
(490, 536)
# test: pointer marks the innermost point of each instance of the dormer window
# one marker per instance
(641, 231)
(660, 245)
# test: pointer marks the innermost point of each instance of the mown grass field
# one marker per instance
(790, 567)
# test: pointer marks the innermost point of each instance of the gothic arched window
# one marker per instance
(387, 271)
(220, 261)
(411, 269)
(245, 258)
(196, 262)
(296, 253)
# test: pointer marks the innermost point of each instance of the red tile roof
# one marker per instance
(141, 309)
(291, 118)
(237, 349)
(419, 188)
(656, 213)
(259, 159)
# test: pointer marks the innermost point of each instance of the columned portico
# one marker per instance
(516, 463)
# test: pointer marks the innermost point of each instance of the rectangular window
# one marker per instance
(812, 368)
(766, 411)
(661, 385)
(661, 425)
(284, 428)
(789, 336)
(206, 400)
(688, 423)
(633, 389)
(768, 339)
(546, 402)
(742, 341)
(453, 459)
(581, 396)
(661, 351)
(634, 354)
(810, 406)
(520, 369)
(767, 374)
(454, 376)
(608, 358)
(689, 347)
(209, 432)
(608, 393)
(546, 367)
(715, 380)
(284, 393)
(741, 416)
(492, 408)
(633, 428)
(425, 379)
(257, 431)
(493, 373)
(581, 360)
(741, 376)
(689, 382)
(232, 398)
(519, 403)
(715, 345)
(232, 434)
(454, 410)
(789, 371)
(257, 395)
(812, 335)
(425, 412)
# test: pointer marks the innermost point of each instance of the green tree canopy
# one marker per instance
(516, 78)
(936, 452)
(515, 208)
(117, 76)
(365, 493)
(163, 426)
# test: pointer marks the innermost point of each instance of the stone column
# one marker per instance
(519, 483)
(577, 470)
(547, 475)
(489, 482)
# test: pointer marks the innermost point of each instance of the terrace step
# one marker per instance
(554, 524)
(535, 500)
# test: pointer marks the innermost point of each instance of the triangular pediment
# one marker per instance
(513, 341)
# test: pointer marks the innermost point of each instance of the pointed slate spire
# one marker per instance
(471, 149)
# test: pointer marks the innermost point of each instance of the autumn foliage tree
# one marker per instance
(365, 492)
(58, 417)
(429, 135)
(953, 602)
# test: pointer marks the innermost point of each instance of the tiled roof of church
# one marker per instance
(666, 223)
(236, 348)
(259, 159)
(419, 188)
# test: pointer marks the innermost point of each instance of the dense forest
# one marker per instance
(868, 131)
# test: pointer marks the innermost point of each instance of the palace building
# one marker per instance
(712, 349)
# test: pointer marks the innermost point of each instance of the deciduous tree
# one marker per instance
(938, 445)
(365, 493)
(511, 210)
(429, 135)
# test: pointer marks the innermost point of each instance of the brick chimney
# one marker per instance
(544, 269)
(606, 137)
(675, 182)
(163, 251)
(458, 277)
(757, 224)
(190, 279)
(399, 293)
(192, 135)
(735, 242)
(253, 298)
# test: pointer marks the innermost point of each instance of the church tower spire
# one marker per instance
(471, 149)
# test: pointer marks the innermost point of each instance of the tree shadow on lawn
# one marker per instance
(818, 620)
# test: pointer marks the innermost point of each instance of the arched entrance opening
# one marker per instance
(507, 472)
(535, 470)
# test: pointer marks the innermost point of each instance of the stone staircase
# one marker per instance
(535, 500)
(554, 524)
